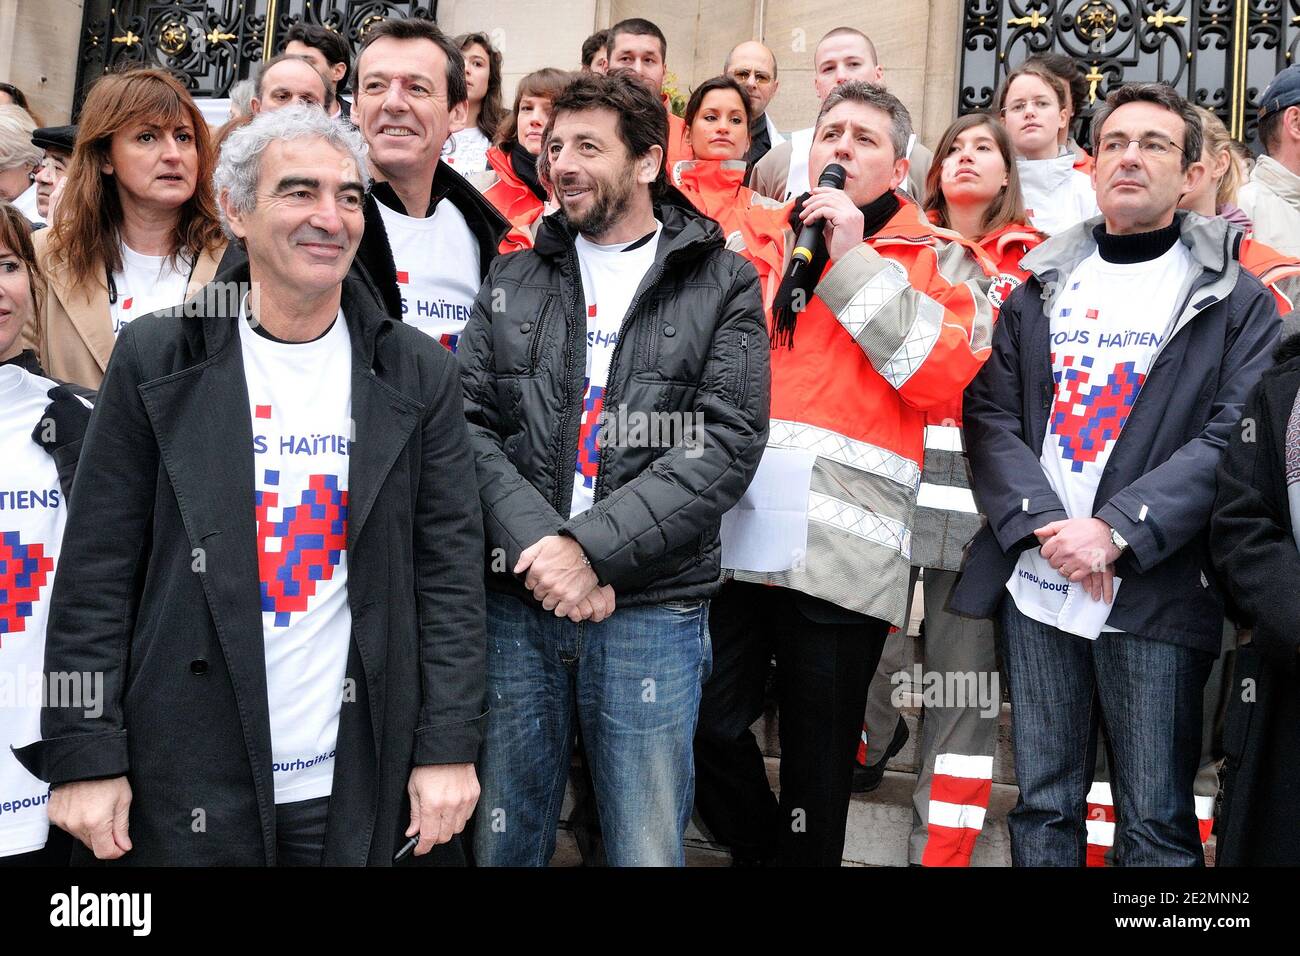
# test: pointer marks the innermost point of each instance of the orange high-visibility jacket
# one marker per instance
(1277, 270)
(754, 225)
(677, 147)
(512, 198)
(895, 328)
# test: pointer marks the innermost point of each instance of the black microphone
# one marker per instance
(810, 235)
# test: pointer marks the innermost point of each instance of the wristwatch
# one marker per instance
(1117, 540)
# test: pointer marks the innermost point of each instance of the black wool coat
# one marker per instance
(166, 476)
(1258, 563)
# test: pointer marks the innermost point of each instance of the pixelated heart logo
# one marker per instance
(593, 407)
(300, 545)
(24, 570)
(1087, 418)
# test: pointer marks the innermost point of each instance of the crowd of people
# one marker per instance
(285, 582)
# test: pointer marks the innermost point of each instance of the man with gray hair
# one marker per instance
(241, 99)
(281, 560)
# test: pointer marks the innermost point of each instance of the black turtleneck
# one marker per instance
(1137, 246)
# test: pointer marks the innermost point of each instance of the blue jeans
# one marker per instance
(1149, 695)
(633, 683)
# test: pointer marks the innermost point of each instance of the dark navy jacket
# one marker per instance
(1158, 486)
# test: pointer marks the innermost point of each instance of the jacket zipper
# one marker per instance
(744, 368)
(535, 353)
(565, 471)
(610, 396)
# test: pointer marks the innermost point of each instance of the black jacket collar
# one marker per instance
(684, 228)
(375, 254)
(209, 331)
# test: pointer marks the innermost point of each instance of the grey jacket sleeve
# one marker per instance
(690, 486)
(1008, 480)
(1165, 508)
(515, 513)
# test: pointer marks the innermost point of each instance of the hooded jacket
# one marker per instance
(752, 224)
(511, 197)
(693, 344)
(1057, 195)
(1158, 484)
(1271, 198)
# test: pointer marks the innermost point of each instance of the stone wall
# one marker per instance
(38, 53)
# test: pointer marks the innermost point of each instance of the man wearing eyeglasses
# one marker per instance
(1118, 372)
(843, 54)
(753, 65)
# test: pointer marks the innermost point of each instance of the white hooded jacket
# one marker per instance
(1056, 194)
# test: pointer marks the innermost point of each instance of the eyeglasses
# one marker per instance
(1152, 144)
(1041, 105)
(742, 76)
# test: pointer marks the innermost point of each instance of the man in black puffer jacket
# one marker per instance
(616, 386)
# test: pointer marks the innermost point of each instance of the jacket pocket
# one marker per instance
(537, 333)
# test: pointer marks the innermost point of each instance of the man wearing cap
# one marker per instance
(1271, 198)
(57, 141)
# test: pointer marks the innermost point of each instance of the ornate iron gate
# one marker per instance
(1219, 53)
(216, 43)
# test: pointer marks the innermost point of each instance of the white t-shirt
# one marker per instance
(466, 151)
(437, 269)
(300, 403)
(146, 284)
(1057, 196)
(32, 515)
(1106, 327)
(610, 277)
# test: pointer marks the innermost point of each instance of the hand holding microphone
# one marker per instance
(829, 216)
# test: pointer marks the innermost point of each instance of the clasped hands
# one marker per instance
(559, 577)
(1081, 549)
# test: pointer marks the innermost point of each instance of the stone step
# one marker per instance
(767, 730)
(879, 827)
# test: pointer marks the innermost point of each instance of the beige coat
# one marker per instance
(1271, 198)
(76, 331)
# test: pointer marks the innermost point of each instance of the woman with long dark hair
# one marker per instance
(467, 146)
(718, 115)
(137, 227)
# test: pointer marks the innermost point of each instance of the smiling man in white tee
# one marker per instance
(430, 236)
(305, 642)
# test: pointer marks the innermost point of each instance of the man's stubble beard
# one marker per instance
(609, 205)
